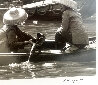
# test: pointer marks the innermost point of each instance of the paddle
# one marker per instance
(34, 44)
(39, 41)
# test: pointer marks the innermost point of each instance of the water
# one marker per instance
(49, 69)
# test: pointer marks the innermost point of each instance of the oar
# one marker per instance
(31, 51)
(40, 39)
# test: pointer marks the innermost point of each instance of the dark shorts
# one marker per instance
(67, 38)
(60, 38)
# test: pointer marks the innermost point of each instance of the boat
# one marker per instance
(43, 9)
(51, 51)
(53, 10)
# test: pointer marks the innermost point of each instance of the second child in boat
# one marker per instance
(72, 29)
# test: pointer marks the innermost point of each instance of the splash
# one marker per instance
(24, 65)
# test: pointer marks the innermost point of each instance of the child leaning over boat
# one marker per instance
(14, 37)
(72, 29)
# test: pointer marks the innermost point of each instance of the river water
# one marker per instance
(49, 69)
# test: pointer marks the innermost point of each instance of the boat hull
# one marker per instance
(51, 51)
(56, 55)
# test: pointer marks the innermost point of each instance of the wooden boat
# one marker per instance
(41, 10)
(51, 51)
(38, 10)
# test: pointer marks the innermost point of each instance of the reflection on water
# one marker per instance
(48, 69)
